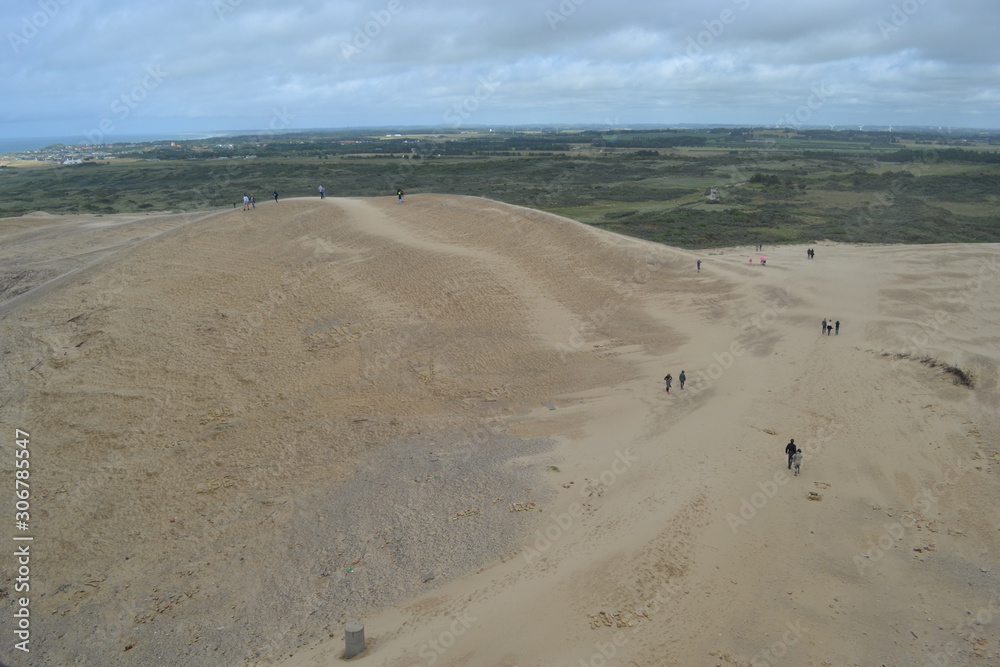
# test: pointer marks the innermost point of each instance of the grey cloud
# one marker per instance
(408, 62)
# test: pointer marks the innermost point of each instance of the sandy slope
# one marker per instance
(250, 427)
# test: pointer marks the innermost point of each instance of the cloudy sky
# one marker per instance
(102, 69)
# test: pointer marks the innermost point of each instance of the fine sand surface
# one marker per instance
(447, 419)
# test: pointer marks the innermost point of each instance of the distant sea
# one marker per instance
(19, 144)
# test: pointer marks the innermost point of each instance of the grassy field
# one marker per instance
(654, 185)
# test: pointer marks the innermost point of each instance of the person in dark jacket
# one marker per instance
(790, 451)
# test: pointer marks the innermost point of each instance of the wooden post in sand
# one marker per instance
(354, 635)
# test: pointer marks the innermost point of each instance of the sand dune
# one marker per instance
(447, 419)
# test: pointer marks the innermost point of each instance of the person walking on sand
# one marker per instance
(836, 327)
(246, 202)
(683, 378)
(275, 193)
(823, 330)
(253, 202)
(669, 380)
(829, 327)
(322, 192)
(699, 266)
(797, 460)
(399, 195)
(790, 451)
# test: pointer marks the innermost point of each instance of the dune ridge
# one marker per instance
(447, 418)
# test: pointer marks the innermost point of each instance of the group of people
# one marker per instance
(810, 253)
(249, 201)
(669, 379)
(830, 325)
(794, 453)
(322, 194)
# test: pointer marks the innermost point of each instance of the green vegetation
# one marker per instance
(688, 188)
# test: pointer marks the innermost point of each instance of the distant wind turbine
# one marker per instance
(832, 126)
(861, 128)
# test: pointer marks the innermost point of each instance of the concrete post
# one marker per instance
(354, 635)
